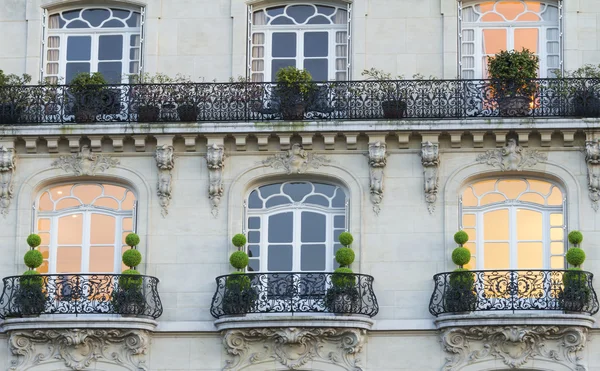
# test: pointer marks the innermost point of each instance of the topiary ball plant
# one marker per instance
(132, 240)
(239, 240)
(345, 256)
(575, 237)
(34, 240)
(346, 238)
(33, 259)
(239, 259)
(575, 256)
(132, 258)
(461, 256)
(461, 237)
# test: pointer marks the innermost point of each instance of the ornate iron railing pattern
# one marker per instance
(561, 290)
(338, 100)
(80, 294)
(292, 292)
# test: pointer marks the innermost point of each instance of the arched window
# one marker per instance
(93, 39)
(514, 224)
(306, 36)
(83, 227)
(294, 226)
(491, 26)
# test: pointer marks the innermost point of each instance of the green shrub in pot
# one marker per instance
(239, 296)
(295, 90)
(89, 96)
(129, 298)
(460, 291)
(343, 296)
(576, 292)
(30, 297)
(580, 92)
(14, 99)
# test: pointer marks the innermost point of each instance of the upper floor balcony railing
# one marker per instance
(339, 100)
(80, 294)
(513, 290)
(294, 292)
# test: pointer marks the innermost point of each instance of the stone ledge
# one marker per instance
(269, 321)
(49, 321)
(537, 318)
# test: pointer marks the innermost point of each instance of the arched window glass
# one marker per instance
(514, 224)
(491, 26)
(83, 227)
(93, 39)
(306, 36)
(294, 226)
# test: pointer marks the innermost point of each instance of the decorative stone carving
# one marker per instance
(215, 160)
(592, 159)
(515, 346)
(85, 162)
(512, 157)
(377, 162)
(165, 160)
(79, 349)
(7, 170)
(294, 348)
(430, 158)
(295, 160)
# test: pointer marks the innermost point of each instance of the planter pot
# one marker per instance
(129, 301)
(148, 113)
(188, 113)
(342, 300)
(292, 111)
(393, 109)
(586, 104)
(514, 106)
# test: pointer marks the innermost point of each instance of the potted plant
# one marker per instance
(387, 92)
(13, 97)
(30, 298)
(460, 293)
(239, 297)
(576, 292)
(294, 90)
(152, 93)
(86, 94)
(343, 295)
(513, 75)
(582, 96)
(128, 298)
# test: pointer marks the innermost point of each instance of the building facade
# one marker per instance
(188, 165)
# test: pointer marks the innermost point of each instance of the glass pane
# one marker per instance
(78, 24)
(340, 198)
(557, 248)
(95, 16)
(61, 191)
(280, 258)
(277, 200)
(534, 198)
(300, 13)
(468, 220)
(497, 256)
(495, 225)
(472, 234)
(254, 237)
(312, 258)
(468, 198)
(526, 38)
(284, 45)
(282, 20)
(114, 191)
(297, 191)
(102, 259)
(254, 202)
(109, 203)
(316, 44)
(281, 227)
(65, 203)
(102, 229)
(111, 71)
(492, 198)
(253, 251)
(113, 23)
(556, 220)
(74, 69)
(556, 197)
(43, 268)
(45, 252)
(484, 186)
(45, 204)
(319, 20)
(494, 40)
(269, 190)
(45, 238)
(529, 225)
(510, 9)
(127, 224)
(277, 64)
(110, 47)
(317, 68)
(556, 234)
(70, 229)
(254, 222)
(539, 186)
(68, 259)
(530, 255)
(127, 204)
(122, 14)
(79, 48)
(339, 221)
(326, 189)
(253, 265)
(43, 224)
(557, 262)
(512, 188)
(313, 227)
(87, 192)
(134, 20)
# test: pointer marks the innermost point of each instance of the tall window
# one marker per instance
(294, 226)
(514, 224)
(83, 227)
(94, 39)
(491, 26)
(306, 36)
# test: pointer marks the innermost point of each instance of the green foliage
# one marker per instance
(574, 276)
(31, 279)
(575, 256)
(238, 281)
(460, 295)
(462, 278)
(587, 71)
(342, 277)
(130, 279)
(33, 258)
(132, 239)
(576, 293)
(238, 240)
(132, 258)
(34, 240)
(386, 89)
(461, 237)
(294, 81)
(86, 82)
(239, 259)
(12, 79)
(575, 237)
(344, 256)
(30, 298)
(346, 238)
(512, 72)
(461, 256)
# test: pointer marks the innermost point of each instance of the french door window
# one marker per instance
(94, 39)
(491, 26)
(83, 227)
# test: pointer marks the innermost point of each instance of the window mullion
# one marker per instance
(479, 244)
(512, 242)
(53, 245)
(118, 243)
(296, 243)
(86, 241)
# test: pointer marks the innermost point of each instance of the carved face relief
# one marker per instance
(377, 154)
(165, 157)
(512, 157)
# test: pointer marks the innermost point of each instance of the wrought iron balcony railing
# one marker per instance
(80, 294)
(293, 292)
(514, 290)
(339, 100)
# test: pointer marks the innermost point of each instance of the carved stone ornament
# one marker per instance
(377, 162)
(592, 159)
(7, 170)
(79, 349)
(294, 348)
(296, 160)
(165, 160)
(85, 162)
(430, 158)
(512, 157)
(215, 160)
(515, 346)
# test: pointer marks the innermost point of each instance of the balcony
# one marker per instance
(513, 290)
(296, 292)
(340, 100)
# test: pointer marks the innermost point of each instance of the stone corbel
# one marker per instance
(215, 160)
(165, 160)
(430, 158)
(592, 160)
(377, 162)
(7, 170)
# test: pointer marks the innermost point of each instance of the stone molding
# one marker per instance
(295, 160)
(512, 157)
(79, 349)
(430, 158)
(215, 161)
(7, 170)
(165, 161)
(377, 162)
(294, 347)
(592, 160)
(85, 162)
